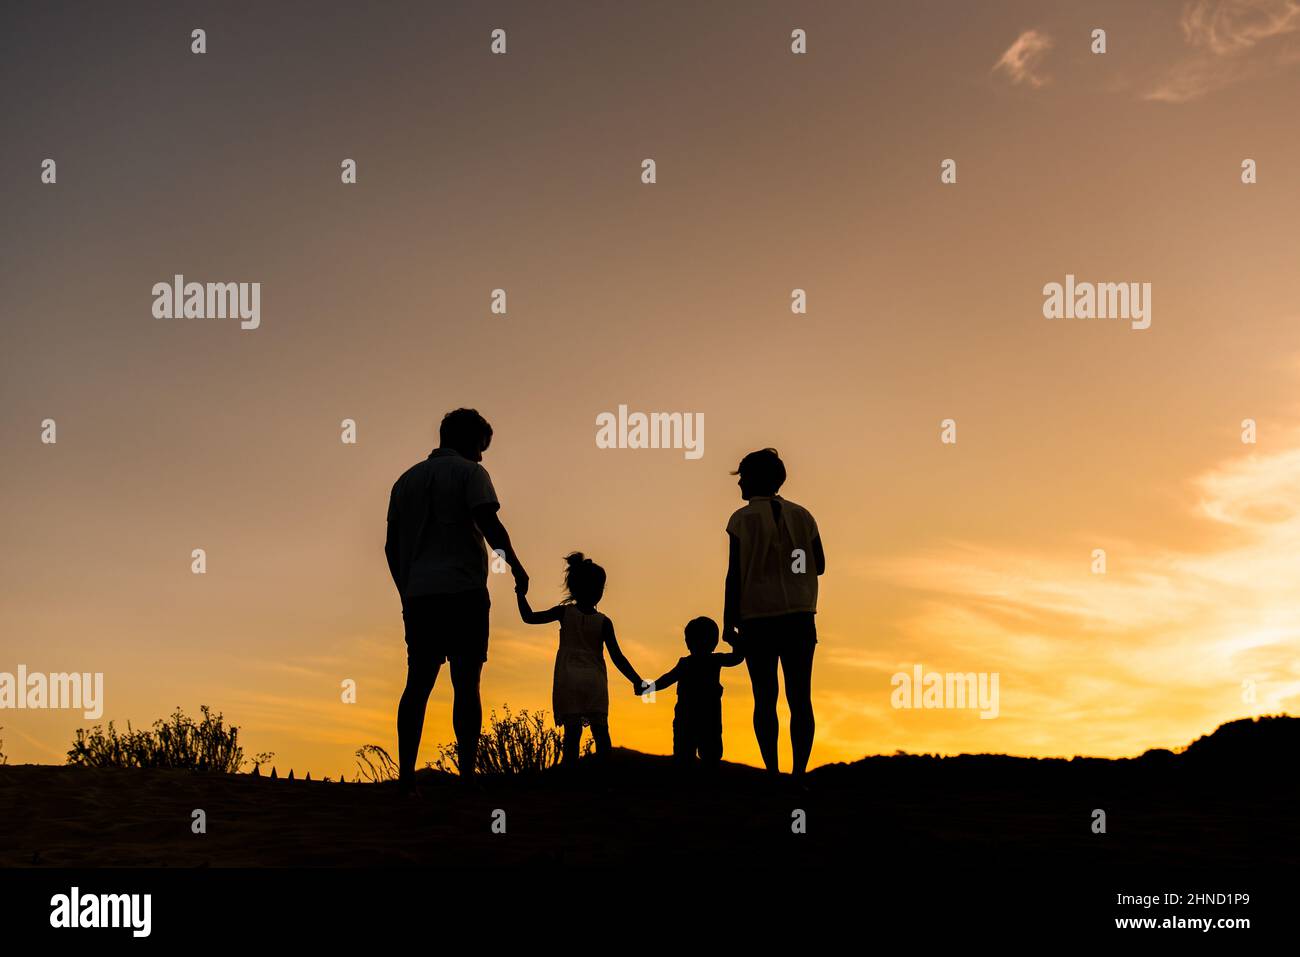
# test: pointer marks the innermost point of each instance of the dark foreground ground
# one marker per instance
(977, 848)
(983, 815)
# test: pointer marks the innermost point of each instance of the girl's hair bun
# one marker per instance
(582, 574)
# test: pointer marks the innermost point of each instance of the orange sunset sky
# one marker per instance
(775, 172)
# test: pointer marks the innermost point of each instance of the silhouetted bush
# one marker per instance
(1259, 741)
(207, 745)
(515, 744)
(1160, 757)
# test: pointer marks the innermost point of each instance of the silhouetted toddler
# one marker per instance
(697, 719)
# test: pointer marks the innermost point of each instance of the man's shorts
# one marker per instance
(441, 627)
(780, 636)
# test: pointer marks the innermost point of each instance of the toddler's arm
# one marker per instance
(667, 680)
(730, 658)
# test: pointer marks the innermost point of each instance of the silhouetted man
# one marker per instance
(439, 513)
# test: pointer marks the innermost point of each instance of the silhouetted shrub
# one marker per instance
(207, 745)
(1259, 741)
(515, 744)
(1161, 757)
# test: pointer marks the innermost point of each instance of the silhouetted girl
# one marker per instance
(581, 692)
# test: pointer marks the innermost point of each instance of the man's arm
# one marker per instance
(819, 556)
(498, 539)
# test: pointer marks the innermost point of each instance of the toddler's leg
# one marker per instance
(710, 745)
(683, 746)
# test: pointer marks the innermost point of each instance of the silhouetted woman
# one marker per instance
(775, 557)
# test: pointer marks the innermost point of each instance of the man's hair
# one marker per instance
(763, 471)
(464, 429)
(702, 634)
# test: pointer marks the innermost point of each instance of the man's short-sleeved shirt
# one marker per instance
(769, 582)
(440, 550)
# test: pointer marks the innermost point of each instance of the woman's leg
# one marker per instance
(761, 662)
(796, 666)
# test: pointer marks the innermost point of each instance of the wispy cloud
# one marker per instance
(1022, 61)
(1156, 649)
(1230, 41)
(1227, 27)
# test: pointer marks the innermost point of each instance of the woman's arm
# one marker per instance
(731, 591)
(616, 656)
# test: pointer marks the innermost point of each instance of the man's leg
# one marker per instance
(420, 677)
(796, 666)
(466, 710)
(761, 661)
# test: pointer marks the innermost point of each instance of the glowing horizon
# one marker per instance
(775, 172)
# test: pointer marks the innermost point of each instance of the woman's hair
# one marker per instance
(583, 578)
(763, 471)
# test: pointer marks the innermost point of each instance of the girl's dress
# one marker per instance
(581, 683)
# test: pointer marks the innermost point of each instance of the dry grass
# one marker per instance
(180, 742)
(520, 743)
(375, 765)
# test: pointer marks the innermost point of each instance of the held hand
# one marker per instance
(521, 580)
